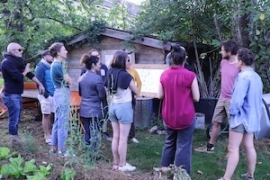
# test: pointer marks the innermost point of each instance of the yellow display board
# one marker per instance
(150, 77)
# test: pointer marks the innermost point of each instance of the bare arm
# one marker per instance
(26, 70)
(68, 79)
(138, 81)
(195, 90)
(160, 91)
(133, 87)
(40, 86)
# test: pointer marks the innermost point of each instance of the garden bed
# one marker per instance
(145, 155)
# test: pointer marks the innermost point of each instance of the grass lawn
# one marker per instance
(147, 154)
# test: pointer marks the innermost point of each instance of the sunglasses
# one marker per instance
(20, 50)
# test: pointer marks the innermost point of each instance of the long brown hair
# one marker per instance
(119, 60)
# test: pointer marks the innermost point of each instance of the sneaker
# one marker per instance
(115, 167)
(134, 140)
(107, 136)
(65, 154)
(48, 141)
(52, 151)
(205, 149)
(245, 177)
(127, 167)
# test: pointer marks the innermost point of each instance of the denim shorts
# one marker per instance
(240, 128)
(121, 112)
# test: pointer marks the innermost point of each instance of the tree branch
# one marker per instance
(57, 20)
(218, 28)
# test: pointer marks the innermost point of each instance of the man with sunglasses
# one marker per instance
(14, 70)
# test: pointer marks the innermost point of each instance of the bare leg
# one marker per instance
(250, 153)
(46, 124)
(115, 142)
(122, 148)
(235, 139)
(215, 132)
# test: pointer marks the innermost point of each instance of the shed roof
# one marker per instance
(151, 41)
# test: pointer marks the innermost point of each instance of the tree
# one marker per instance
(210, 22)
(36, 23)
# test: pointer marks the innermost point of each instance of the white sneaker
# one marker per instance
(134, 140)
(115, 167)
(127, 167)
(65, 154)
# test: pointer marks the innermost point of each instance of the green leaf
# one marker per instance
(5, 169)
(4, 152)
(30, 166)
(45, 170)
(37, 176)
(16, 161)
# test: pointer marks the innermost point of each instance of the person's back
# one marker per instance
(178, 109)
(91, 95)
(178, 88)
(119, 80)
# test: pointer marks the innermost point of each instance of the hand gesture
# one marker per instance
(41, 89)
(27, 68)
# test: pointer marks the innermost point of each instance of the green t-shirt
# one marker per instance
(57, 75)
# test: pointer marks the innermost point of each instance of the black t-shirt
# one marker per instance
(118, 78)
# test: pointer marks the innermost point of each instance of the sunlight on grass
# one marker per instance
(147, 154)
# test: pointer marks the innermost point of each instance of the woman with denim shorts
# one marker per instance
(61, 97)
(245, 112)
(120, 86)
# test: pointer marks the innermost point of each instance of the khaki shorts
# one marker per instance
(221, 112)
(46, 104)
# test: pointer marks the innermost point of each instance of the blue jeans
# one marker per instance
(177, 147)
(90, 124)
(61, 100)
(14, 106)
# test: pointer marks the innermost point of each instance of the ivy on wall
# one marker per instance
(92, 34)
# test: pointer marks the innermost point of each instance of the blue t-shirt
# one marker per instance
(57, 75)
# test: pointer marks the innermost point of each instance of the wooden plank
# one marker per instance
(30, 93)
(150, 66)
(143, 40)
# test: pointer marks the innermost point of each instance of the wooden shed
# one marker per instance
(147, 52)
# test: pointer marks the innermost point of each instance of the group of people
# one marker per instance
(54, 83)
(239, 103)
